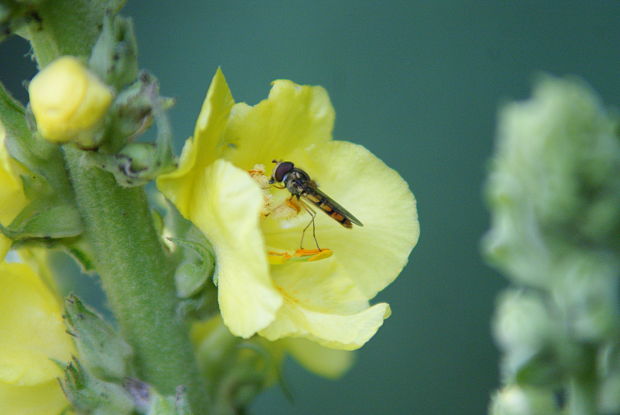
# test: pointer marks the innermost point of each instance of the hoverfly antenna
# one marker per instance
(274, 161)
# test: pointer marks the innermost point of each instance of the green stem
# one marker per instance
(137, 277)
(129, 257)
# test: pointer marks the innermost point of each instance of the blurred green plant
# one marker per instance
(554, 192)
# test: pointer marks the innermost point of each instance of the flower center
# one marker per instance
(285, 208)
(277, 207)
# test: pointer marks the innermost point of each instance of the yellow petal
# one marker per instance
(321, 303)
(38, 259)
(343, 332)
(293, 116)
(32, 329)
(42, 399)
(322, 286)
(68, 100)
(202, 149)
(374, 254)
(226, 208)
(321, 360)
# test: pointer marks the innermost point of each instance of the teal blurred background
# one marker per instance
(418, 83)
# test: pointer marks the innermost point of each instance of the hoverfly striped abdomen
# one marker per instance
(320, 200)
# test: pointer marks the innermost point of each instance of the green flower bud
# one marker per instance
(114, 56)
(132, 111)
(93, 396)
(515, 400)
(198, 267)
(137, 158)
(586, 294)
(190, 278)
(101, 349)
(528, 337)
(522, 324)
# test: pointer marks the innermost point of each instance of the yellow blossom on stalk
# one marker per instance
(32, 336)
(68, 101)
(12, 198)
(222, 186)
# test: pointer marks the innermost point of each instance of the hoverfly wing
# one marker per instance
(328, 205)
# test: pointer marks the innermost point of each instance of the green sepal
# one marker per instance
(132, 113)
(115, 55)
(192, 275)
(90, 395)
(81, 252)
(190, 278)
(101, 349)
(12, 114)
(45, 219)
(35, 153)
(41, 158)
(51, 213)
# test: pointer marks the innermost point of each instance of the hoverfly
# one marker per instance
(300, 185)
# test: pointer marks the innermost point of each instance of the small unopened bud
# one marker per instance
(69, 102)
(102, 350)
(136, 158)
(190, 277)
(93, 396)
(114, 56)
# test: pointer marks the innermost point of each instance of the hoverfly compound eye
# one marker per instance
(281, 170)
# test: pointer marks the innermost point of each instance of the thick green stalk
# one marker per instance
(137, 277)
(128, 254)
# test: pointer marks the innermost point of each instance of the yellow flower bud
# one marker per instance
(68, 101)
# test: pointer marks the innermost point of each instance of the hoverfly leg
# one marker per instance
(303, 233)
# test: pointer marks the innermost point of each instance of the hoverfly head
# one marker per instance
(280, 170)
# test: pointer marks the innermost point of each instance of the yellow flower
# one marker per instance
(32, 333)
(68, 101)
(222, 187)
(12, 198)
